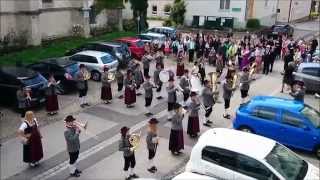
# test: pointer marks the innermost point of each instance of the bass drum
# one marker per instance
(165, 75)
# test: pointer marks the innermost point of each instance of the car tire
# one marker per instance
(246, 129)
(95, 75)
(317, 151)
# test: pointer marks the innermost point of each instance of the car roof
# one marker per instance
(129, 39)
(113, 44)
(18, 72)
(61, 61)
(153, 34)
(164, 27)
(276, 102)
(93, 53)
(309, 64)
(238, 141)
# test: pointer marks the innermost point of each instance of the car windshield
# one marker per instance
(140, 44)
(33, 80)
(71, 68)
(107, 59)
(289, 165)
(312, 114)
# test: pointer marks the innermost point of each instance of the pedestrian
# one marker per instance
(119, 78)
(272, 58)
(219, 64)
(23, 98)
(258, 58)
(191, 50)
(208, 101)
(193, 119)
(52, 105)
(176, 142)
(157, 82)
(159, 58)
(30, 136)
(82, 83)
(71, 135)
(148, 88)
(152, 141)
(130, 90)
(185, 86)
(244, 84)
(146, 60)
(202, 70)
(172, 97)
(212, 57)
(128, 154)
(266, 60)
(180, 65)
(106, 93)
(227, 94)
(298, 91)
(138, 79)
(167, 49)
(288, 76)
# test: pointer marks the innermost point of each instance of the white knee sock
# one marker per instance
(126, 173)
(131, 171)
(72, 168)
(81, 100)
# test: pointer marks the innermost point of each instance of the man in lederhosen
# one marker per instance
(152, 141)
(244, 84)
(185, 86)
(106, 94)
(157, 82)
(193, 120)
(130, 90)
(172, 97)
(146, 60)
(208, 101)
(128, 154)
(148, 88)
(71, 135)
(176, 142)
(159, 58)
(82, 84)
(138, 79)
(227, 93)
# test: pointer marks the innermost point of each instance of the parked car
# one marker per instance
(192, 176)
(136, 46)
(309, 73)
(152, 37)
(95, 61)
(63, 70)
(280, 29)
(168, 31)
(12, 78)
(231, 154)
(282, 120)
(119, 50)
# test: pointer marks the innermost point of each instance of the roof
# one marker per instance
(21, 72)
(93, 53)
(128, 39)
(276, 102)
(238, 141)
(61, 61)
(153, 34)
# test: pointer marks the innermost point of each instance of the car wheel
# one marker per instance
(317, 151)
(246, 129)
(95, 75)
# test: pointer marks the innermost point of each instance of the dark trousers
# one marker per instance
(120, 86)
(159, 87)
(129, 161)
(83, 92)
(146, 72)
(73, 157)
(208, 111)
(152, 153)
(226, 103)
(148, 101)
(266, 67)
(271, 66)
(186, 96)
(191, 55)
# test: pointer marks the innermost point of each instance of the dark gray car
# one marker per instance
(309, 73)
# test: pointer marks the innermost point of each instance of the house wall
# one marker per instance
(265, 11)
(300, 9)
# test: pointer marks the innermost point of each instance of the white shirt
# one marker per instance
(24, 125)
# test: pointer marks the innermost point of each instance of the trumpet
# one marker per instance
(80, 125)
(234, 81)
(86, 75)
(111, 76)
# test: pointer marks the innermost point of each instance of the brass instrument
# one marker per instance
(134, 140)
(80, 125)
(234, 81)
(86, 75)
(111, 76)
(252, 69)
(214, 86)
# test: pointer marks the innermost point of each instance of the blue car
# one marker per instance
(289, 122)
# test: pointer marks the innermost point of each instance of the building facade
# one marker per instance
(291, 10)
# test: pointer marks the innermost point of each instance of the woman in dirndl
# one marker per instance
(193, 120)
(180, 64)
(130, 90)
(31, 139)
(52, 105)
(106, 94)
(176, 142)
(167, 49)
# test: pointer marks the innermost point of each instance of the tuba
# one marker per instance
(213, 79)
(134, 140)
(165, 75)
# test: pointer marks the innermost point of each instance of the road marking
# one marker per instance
(64, 165)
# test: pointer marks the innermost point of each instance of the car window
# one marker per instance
(220, 157)
(253, 168)
(265, 113)
(91, 59)
(311, 71)
(107, 59)
(291, 119)
(77, 58)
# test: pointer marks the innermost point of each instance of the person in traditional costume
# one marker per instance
(52, 105)
(130, 90)
(30, 136)
(146, 60)
(152, 141)
(208, 101)
(82, 84)
(176, 141)
(106, 93)
(193, 120)
(172, 97)
(244, 84)
(227, 94)
(119, 78)
(23, 98)
(157, 82)
(185, 86)
(138, 79)
(180, 65)
(148, 88)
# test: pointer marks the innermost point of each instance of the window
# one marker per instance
(154, 9)
(47, 1)
(91, 59)
(265, 113)
(107, 59)
(224, 4)
(311, 71)
(291, 119)
(220, 157)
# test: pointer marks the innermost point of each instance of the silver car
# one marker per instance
(309, 73)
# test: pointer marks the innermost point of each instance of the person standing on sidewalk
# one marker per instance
(176, 141)
(227, 93)
(130, 90)
(172, 97)
(193, 120)
(138, 79)
(157, 82)
(208, 101)
(146, 60)
(152, 141)
(119, 78)
(128, 154)
(82, 83)
(71, 135)
(244, 84)
(148, 88)
(31, 139)
(23, 98)
(106, 93)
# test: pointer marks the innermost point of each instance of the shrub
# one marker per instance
(167, 8)
(167, 22)
(129, 25)
(253, 23)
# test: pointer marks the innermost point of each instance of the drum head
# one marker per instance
(164, 76)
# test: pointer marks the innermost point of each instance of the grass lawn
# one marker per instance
(54, 49)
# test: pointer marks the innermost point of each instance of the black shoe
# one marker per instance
(78, 171)
(138, 94)
(82, 106)
(210, 122)
(160, 97)
(169, 119)
(206, 124)
(148, 114)
(154, 168)
(86, 104)
(134, 176)
(75, 174)
(226, 116)
(151, 170)
(128, 178)
(130, 106)
(120, 97)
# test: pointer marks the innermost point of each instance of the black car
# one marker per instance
(280, 29)
(63, 70)
(117, 49)
(12, 78)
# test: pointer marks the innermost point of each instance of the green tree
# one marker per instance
(178, 11)
(139, 8)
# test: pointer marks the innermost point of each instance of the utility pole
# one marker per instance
(290, 8)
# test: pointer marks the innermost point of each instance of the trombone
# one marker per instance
(84, 127)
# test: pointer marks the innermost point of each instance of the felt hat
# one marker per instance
(153, 121)
(69, 118)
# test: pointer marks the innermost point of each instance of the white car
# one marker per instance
(156, 38)
(231, 154)
(95, 61)
(192, 176)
